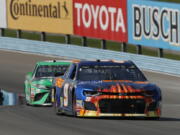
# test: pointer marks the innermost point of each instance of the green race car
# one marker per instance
(38, 84)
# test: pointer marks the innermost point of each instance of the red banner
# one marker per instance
(104, 19)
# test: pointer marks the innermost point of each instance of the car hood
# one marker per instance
(99, 85)
(43, 81)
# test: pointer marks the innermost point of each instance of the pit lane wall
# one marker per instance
(73, 51)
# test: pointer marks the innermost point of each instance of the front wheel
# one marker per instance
(152, 118)
(74, 105)
(56, 109)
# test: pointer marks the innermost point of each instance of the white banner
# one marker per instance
(3, 17)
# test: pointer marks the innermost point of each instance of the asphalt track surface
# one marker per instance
(27, 120)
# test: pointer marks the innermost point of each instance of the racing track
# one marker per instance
(26, 120)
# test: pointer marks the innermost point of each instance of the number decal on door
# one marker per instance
(66, 87)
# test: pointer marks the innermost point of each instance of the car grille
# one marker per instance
(48, 100)
(39, 96)
(89, 106)
(123, 94)
(152, 106)
(130, 106)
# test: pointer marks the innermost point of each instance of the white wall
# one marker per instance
(3, 18)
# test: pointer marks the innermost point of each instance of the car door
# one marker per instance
(68, 87)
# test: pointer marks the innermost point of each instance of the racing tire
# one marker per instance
(74, 105)
(56, 109)
(152, 118)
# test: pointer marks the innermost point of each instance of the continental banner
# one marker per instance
(155, 24)
(53, 16)
(104, 19)
(3, 18)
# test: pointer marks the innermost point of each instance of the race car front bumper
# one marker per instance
(42, 98)
(118, 106)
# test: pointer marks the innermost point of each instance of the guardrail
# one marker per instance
(73, 51)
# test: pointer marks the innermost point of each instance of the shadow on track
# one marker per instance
(169, 119)
(132, 118)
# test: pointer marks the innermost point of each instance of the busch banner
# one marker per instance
(104, 19)
(155, 24)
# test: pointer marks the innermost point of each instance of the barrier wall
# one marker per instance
(72, 51)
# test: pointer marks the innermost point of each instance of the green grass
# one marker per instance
(55, 38)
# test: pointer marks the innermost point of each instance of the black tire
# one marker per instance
(56, 109)
(152, 118)
(74, 104)
(55, 106)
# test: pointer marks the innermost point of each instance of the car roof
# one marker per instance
(54, 62)
(103, 62)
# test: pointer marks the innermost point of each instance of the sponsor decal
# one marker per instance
(41, 15)
(27, 8)
(100, 19)
(155, 24)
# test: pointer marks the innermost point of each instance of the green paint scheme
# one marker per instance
(38, 84)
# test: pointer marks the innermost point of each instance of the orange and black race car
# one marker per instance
(106, 88)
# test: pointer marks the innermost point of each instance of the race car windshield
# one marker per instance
(89, 73)
(50, 71)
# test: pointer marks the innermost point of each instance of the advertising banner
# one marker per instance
(3, 19)
(54, 16)
(155, 24)
(104, 19)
